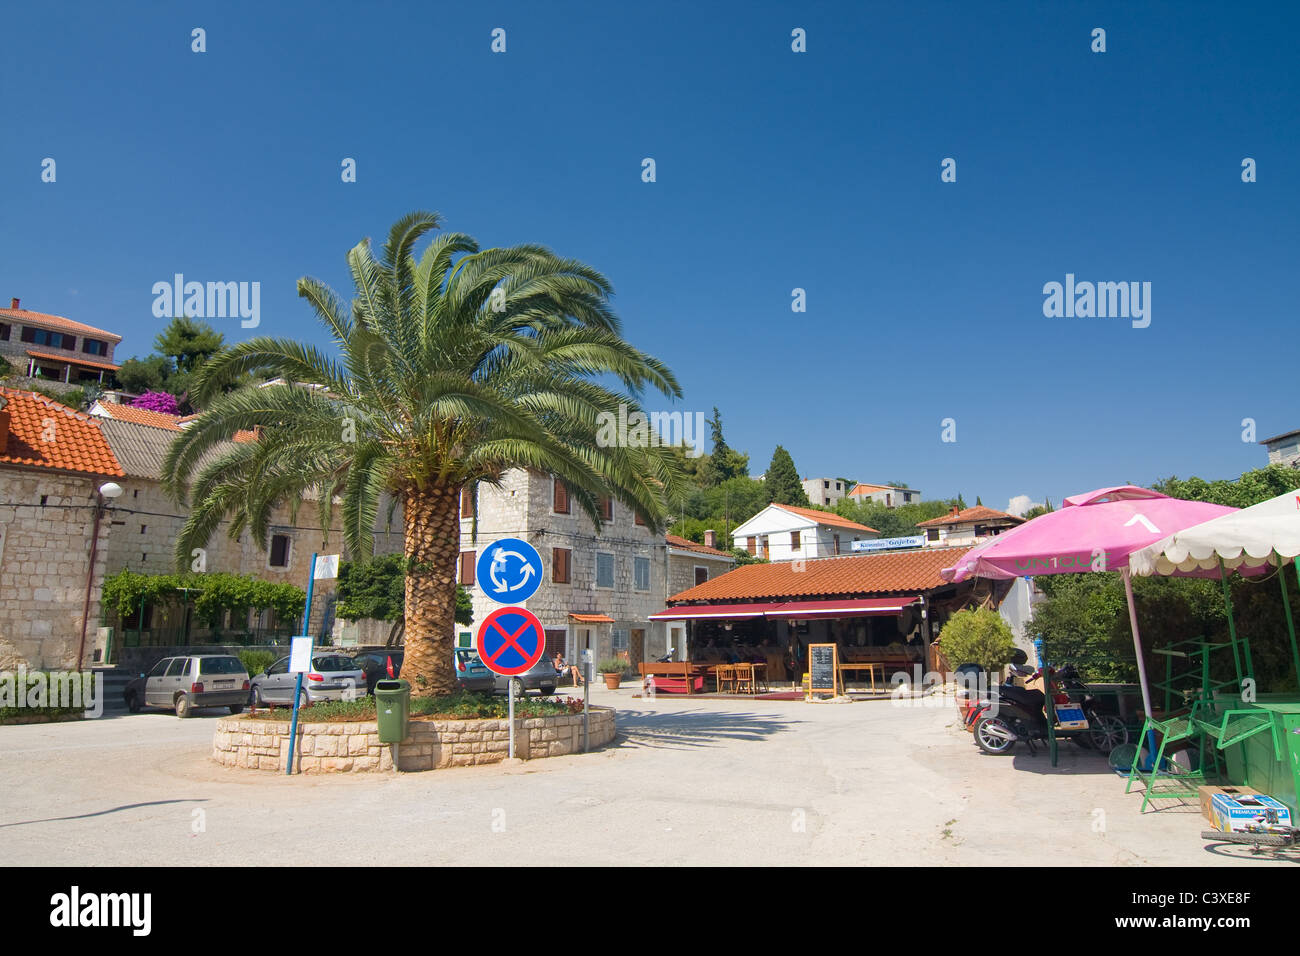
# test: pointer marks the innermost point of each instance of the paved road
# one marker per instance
(688, 781)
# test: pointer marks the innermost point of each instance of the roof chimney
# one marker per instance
(954, 511)
(710, 538)
(13, 303)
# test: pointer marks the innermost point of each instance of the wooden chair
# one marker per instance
(726, 676)
(744, 678)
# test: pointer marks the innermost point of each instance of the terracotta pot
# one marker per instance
(612, 680)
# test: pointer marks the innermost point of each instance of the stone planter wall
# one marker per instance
(431, 745)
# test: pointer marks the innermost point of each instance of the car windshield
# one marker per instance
(334, 662)
(220, 665)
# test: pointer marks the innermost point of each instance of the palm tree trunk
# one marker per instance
(432, 545)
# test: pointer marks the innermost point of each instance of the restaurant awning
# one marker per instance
(858, 607)
(788, 610)
(717, 611)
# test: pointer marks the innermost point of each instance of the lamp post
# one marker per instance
(108, 491)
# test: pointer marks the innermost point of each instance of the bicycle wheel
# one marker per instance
(1239, 836)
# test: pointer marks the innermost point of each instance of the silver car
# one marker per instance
(184, 683)
(540, 677)
(332, 677)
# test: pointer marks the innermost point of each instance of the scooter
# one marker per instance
(1013, 713)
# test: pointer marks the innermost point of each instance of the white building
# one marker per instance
(887, 495)
(963, 528)
(790, 533)
(825, 491)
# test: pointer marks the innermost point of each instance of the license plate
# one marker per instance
(224, 683)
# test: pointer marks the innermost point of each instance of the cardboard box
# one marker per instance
(1236, 811)
(1207, 794)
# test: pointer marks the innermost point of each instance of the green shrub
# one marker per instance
(256, 661)
(977, 637)
(461, 705)
(612, 666)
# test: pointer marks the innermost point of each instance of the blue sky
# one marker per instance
(775, 170)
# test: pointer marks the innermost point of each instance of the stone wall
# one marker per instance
(431, 745)
(45, 524)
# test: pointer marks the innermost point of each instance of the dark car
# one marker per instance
(184, 683)
(471, 673)
(541, 677)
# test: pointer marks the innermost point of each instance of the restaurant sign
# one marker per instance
(890, 544)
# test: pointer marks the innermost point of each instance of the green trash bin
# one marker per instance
(392, 709)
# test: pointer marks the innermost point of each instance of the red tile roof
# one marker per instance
(56, 322)
(825, 517)
(890, 573)
(141, 416)
(675, 541)
(978, 513)
(71, 358)
(41, 433)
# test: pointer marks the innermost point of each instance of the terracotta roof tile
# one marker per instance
(977, 513)
(41, 433)
(141, 416)
(858, 575)
(825, 517)
(674, 541)
(72, 358)
(57, 322)
(592, 618)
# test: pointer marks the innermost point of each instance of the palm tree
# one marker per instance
(450, 370)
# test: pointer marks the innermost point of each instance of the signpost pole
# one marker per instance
(297, 689)
(586, 698)
(510, 707)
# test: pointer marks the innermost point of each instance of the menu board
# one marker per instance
(823, 667)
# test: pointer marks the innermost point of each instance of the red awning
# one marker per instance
(591, 618)
(857, 607)
(787, 610)
(713, 611)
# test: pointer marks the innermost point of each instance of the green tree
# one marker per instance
(149, 374)
(376, 590)
(1043, 509)
(782, 480)
(978, 636)
(186, 344)
(452, 369)
(723, 463)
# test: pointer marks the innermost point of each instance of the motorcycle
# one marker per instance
(1018, 713)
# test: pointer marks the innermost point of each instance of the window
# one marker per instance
(837, 544)
(467, 502)
(160, 668)
(561, 563)
(618, 640)
(606, 508)
(794, 540)
(94, 347)
(604, 570)
(560, 504)
(825, 485)
(467, 568)
(221, 665)
(701, 574)
(55, 340)
(906, 498)
(279, 667)
(641, 573)
(281, 546)
(4, 332)
(932, 534)
(178, 667)
(750, 544)
(640, 519)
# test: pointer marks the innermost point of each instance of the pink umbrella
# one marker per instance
(1096, 531)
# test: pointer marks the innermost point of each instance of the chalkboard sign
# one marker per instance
(823, 667)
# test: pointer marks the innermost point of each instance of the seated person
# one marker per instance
(562, 668)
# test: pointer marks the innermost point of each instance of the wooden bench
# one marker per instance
(683, 671)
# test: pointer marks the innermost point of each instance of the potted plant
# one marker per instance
(612, 671)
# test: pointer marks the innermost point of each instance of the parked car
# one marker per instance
(379, 665)
(185, 683)
(471, 672)
(540, 677)
(332, 677)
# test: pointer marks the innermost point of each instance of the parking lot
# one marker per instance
(688, 781)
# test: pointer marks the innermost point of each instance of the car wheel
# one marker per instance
(303, 700)
(548, 691)
(183, 708)
(133, 702)
(236, 708)
(258, 700)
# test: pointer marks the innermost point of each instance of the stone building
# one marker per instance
(50, 347)
(53, 531)
(598, 590)
(967, 527)
(1284, 449)
(146, 522)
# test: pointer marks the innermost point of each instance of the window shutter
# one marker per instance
(750, 544)
(467, 568)
(561, 502)
(467, 502)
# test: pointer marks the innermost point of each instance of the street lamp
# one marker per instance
(108, 491)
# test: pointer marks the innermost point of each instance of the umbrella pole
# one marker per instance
(1286, 606)
(1232, 631)
(1142, 667)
